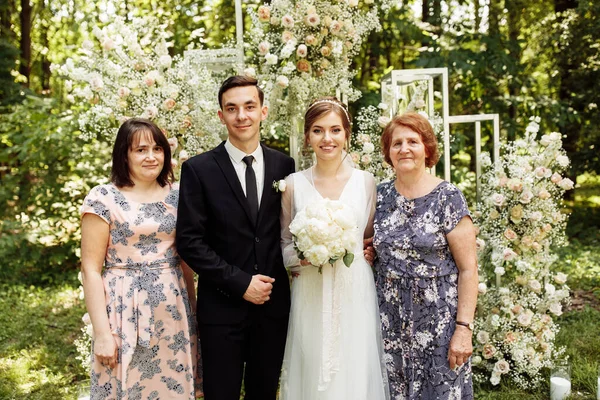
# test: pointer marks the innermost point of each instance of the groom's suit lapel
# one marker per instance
(224, 162)
(268, 190)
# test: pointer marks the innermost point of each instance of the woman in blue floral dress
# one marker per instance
(426, 270)
(136, 290)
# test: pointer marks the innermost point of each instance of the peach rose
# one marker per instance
(264, 13)
(303, 65)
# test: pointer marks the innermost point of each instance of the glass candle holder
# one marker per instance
(83, 390)
(560, 381)
(598, 387)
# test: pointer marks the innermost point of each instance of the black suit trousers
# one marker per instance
(251, 350)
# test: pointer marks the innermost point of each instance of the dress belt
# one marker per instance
(137, 296)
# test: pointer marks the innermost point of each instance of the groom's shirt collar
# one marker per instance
(237, 155)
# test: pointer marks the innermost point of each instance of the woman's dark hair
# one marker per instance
(324, 106)
(239, 81)
(128, 133)
(418, 124)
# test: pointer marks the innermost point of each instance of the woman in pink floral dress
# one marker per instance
(137, 292)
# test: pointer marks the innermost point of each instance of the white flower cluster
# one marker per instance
(325, 231)
(127, 72)
(365, 148)
(304, 50)
(520, 223)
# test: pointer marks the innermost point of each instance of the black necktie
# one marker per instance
(251, 191)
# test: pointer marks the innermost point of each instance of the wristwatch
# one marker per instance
(466, 325)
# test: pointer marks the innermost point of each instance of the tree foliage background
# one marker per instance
(516, 58)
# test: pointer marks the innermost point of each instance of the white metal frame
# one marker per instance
(219, 59)
(477, 120)
(398, 77)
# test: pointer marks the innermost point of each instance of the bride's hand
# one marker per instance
(105, 350)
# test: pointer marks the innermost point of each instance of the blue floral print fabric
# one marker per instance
(417, 285)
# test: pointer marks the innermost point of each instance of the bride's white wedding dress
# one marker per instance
(333, 349)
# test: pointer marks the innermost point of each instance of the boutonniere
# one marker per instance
(279, 186)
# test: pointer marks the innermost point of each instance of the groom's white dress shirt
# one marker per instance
(258, 165)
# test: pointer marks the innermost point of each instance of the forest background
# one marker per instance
(517, 58)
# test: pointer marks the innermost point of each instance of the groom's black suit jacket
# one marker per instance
(218, 240)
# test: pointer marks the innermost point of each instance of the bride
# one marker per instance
(333, 349)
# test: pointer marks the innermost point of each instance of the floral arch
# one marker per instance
(302, 50)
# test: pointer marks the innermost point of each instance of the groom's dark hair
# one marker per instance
(239, 81)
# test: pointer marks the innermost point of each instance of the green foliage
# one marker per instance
(45, 171)
(36, 341)
(9, 89)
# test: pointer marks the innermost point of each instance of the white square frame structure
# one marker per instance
(227, 57)
(390, 96)
(399, 77)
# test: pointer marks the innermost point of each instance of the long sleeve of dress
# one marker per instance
(290, 256)
(371, 195)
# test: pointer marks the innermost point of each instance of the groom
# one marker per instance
(228, 232)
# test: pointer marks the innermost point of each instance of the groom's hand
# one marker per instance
(259, 290)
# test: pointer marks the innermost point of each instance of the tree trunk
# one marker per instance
(515, 10)
(6, 9)
(425, 11)
(25, 18)
(571, 128)
(45, 43)
(494, 13)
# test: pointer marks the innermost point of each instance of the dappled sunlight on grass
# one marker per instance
(37, 355)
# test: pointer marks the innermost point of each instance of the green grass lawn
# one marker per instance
(38, 325)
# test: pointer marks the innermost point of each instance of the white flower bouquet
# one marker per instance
(324, 232)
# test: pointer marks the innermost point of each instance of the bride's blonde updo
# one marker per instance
(320, 108)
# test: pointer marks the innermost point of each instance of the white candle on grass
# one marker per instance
(598, 395)
(560, 388)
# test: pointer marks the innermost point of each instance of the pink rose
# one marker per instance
(509, 255)
(488, 351)
(263, 47)
(326, 51)
(313, 20)
(186, 123)
(515, 185)
(303, 65)
(286, 36)
(311, 40)
(287, 21)
(497, 199)
(301, 51)
(555, 178)
(173, 144)
(169, 104)
(510, 234)
(526, 197)
(335, 27)
(566, 184)
(543, 194)
(526, 241)
(123, 92)
(264, 14)
(510, 337)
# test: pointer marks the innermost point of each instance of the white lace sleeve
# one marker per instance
(371, 194)
(290, 257)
